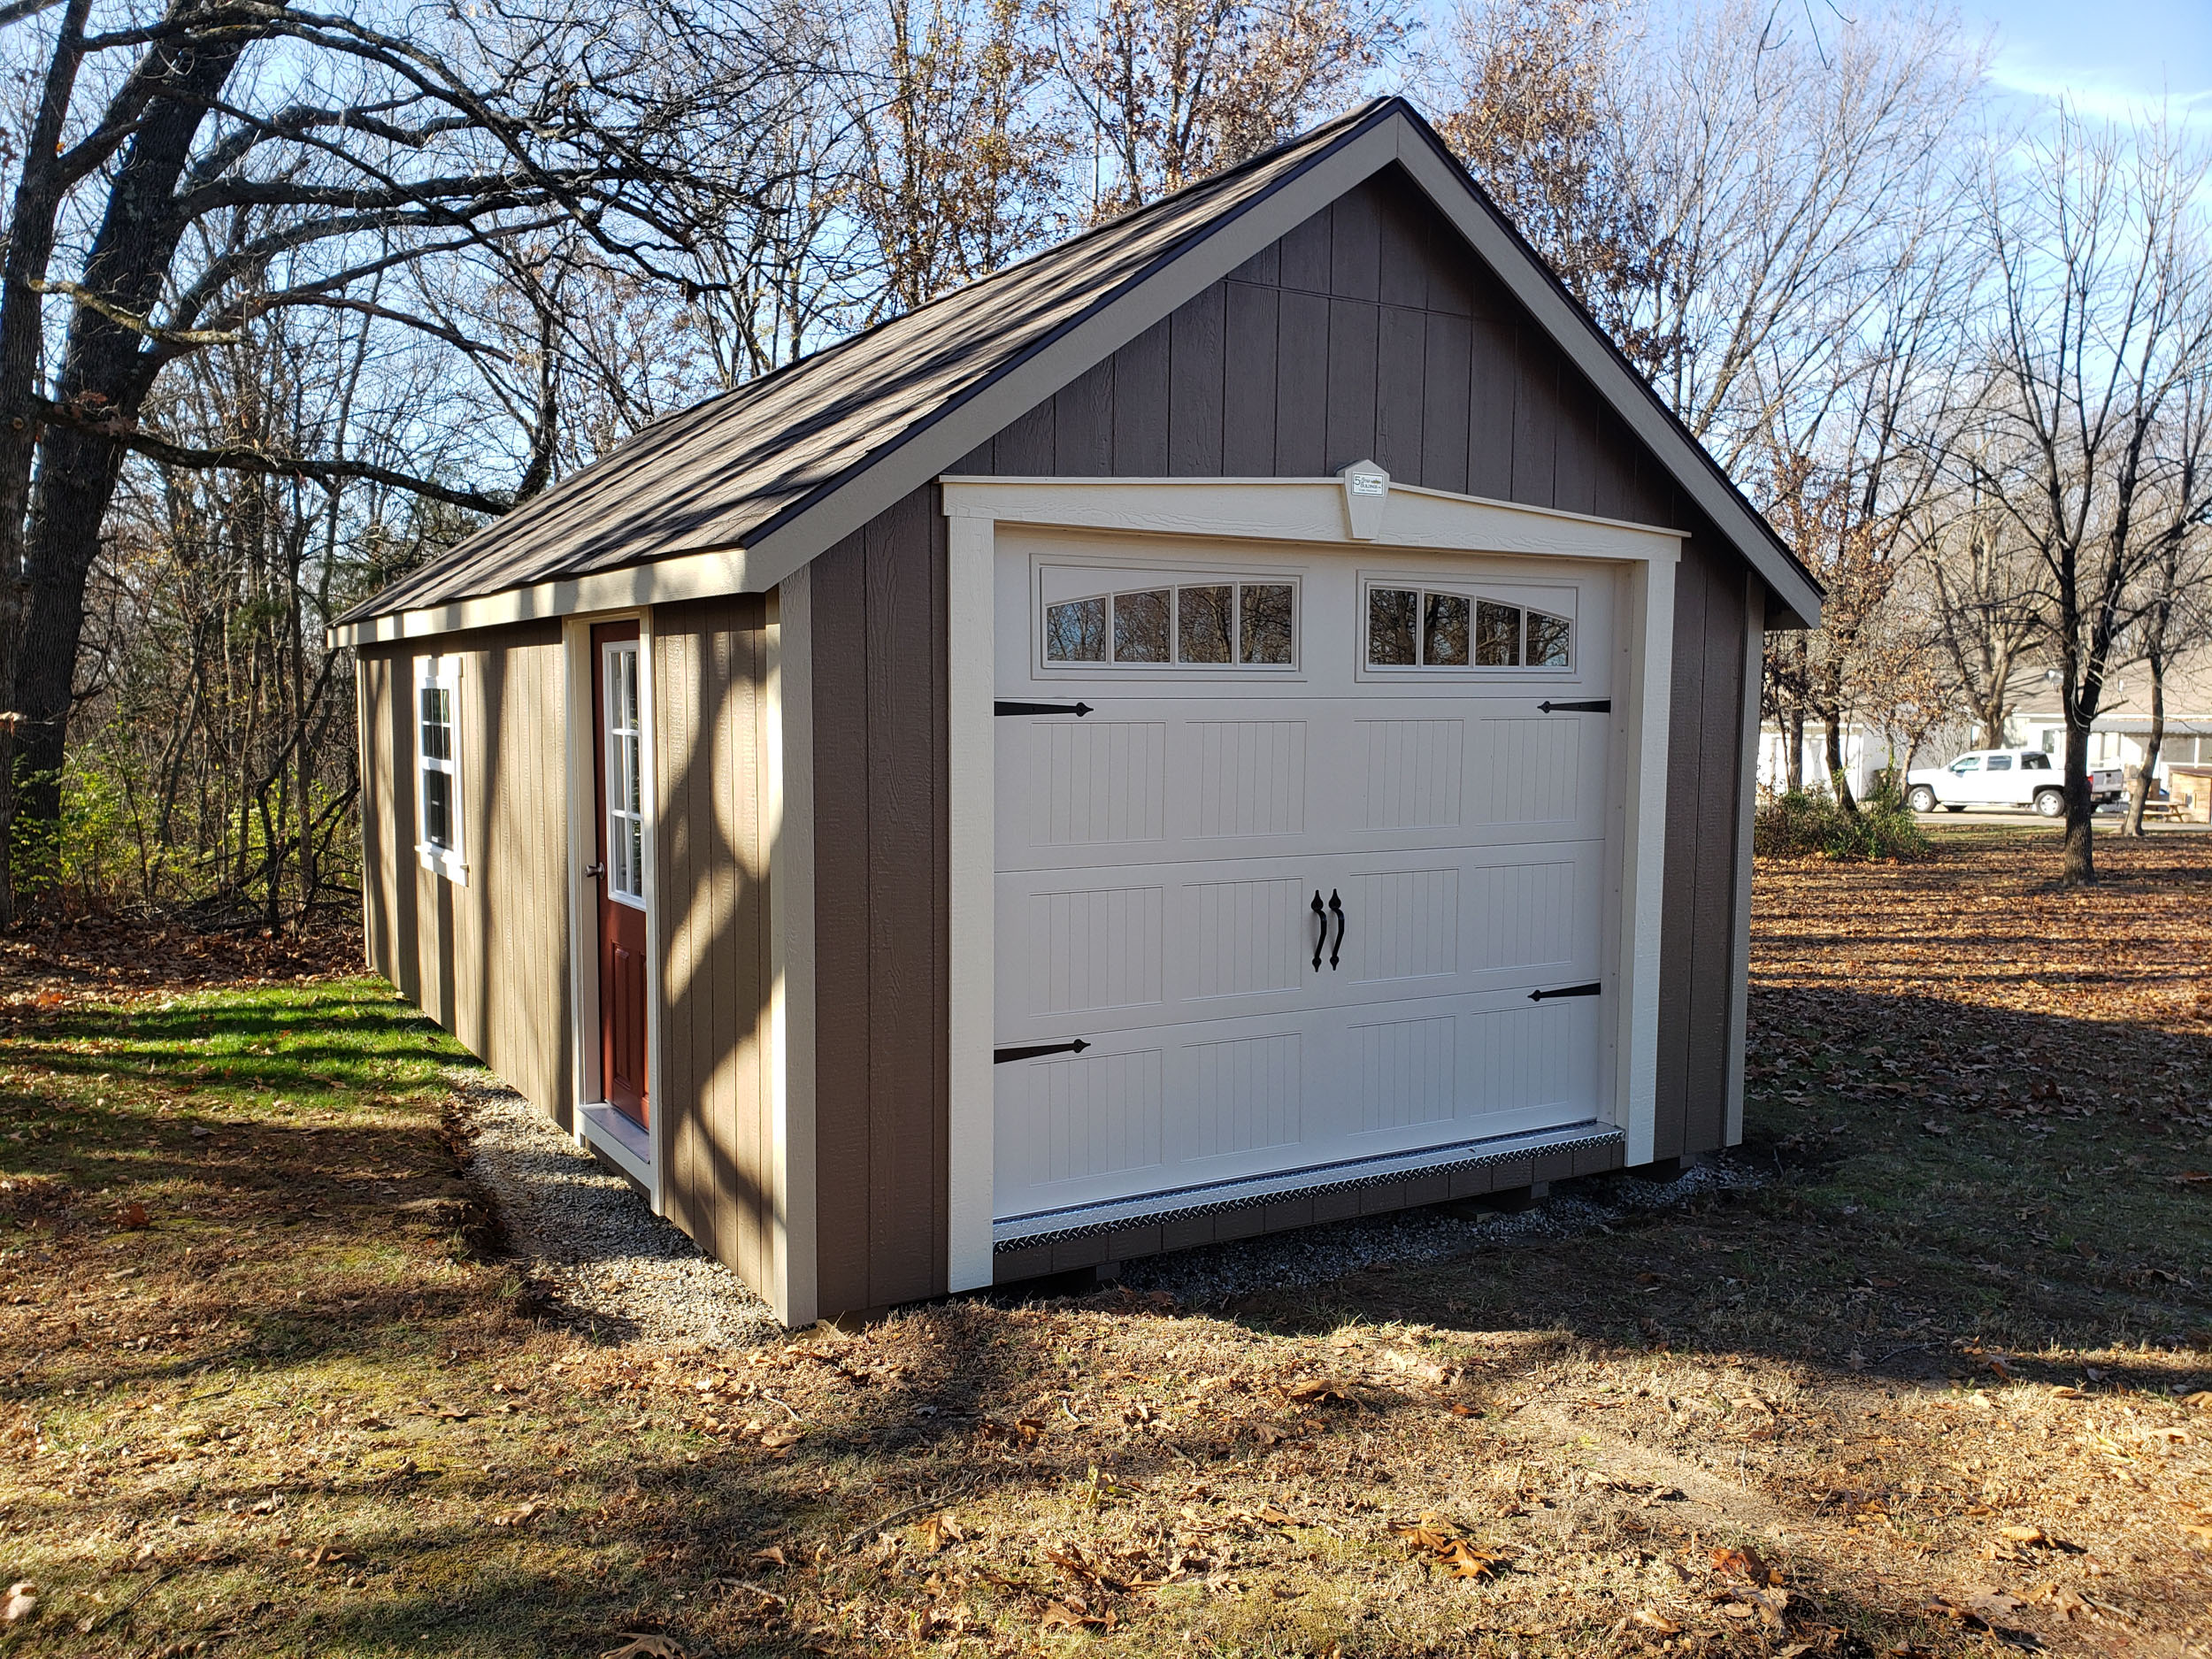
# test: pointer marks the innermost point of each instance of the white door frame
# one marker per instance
(597, 1125)
(1361, 508)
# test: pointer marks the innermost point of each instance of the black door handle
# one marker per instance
(1337, 906)
(592, 872)
(1322, 917)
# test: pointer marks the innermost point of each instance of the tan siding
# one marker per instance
(489, 960)
(709, 666)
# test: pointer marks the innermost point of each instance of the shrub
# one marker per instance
(1802, 825)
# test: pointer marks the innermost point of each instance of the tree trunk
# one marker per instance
(2140, 796)
(2079, 864)
(30, 244)
(1793, 743)
(1838, 775)
(106, 370)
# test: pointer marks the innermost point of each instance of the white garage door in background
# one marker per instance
(1416, 744)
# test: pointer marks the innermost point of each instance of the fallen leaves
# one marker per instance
(645, 1644)
(939, 1532)
(1437, 1542)
(22, 1601)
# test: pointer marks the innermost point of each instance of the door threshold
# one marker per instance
(1080, 1220)
(628, 1147)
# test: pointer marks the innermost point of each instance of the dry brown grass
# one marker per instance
(1928, 1389)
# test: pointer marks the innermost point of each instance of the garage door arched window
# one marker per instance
(1194, 625)
(1422, 627)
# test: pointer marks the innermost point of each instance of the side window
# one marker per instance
(2035, 761)
(1204, 624)
(1418, 628)
(438, 765)
(1967, 762)
(2000, 763)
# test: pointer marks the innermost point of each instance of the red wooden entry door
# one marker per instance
(618, 787)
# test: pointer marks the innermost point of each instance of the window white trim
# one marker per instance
(449, 858)
(1312, 512)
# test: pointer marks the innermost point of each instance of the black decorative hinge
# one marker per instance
(1603, 705)
(1078, 709)
(999, 1056)
(1591, 989)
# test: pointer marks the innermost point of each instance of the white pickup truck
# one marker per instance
(2012, 778)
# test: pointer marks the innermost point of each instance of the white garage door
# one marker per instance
(1321, 873)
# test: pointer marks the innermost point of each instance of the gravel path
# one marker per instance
(586, 1234)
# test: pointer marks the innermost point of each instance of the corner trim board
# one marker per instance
(971, 928)
(1747, 787)
(789, 747)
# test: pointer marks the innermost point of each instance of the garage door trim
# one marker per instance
(1313, 511)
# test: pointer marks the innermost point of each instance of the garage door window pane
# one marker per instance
(1205, 622)
(1076, 632)
(1444, 638)
(1390, 614)
(1141, 627)
(1497, 635)
(1267, 622)
(1548, 640)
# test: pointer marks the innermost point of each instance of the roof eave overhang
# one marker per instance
(798, 536)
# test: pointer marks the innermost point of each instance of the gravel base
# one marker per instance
(587, 1236)
(590, 1241)
(1215, 1273)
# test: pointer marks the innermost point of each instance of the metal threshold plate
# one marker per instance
(1082, 1220)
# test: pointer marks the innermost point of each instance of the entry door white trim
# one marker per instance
(597, 1125)
(1312, 512)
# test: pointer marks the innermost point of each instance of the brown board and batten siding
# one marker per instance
(711, 881)
(487, 960)
(882, 990)
(1367, 333)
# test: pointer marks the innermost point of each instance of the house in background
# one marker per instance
(1245, 718)
(2120, 735)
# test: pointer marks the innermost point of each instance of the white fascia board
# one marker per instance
(1629, 398)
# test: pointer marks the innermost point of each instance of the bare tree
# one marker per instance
(203, 166)
(2175, 619)
(961, 149)
(1972, 585)
(1171, 91)
(2097, 405)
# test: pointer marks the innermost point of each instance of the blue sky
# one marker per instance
(2112, 57)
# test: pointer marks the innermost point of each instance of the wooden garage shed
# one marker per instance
(1242, 719)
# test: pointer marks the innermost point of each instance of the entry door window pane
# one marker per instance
(625, 783)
